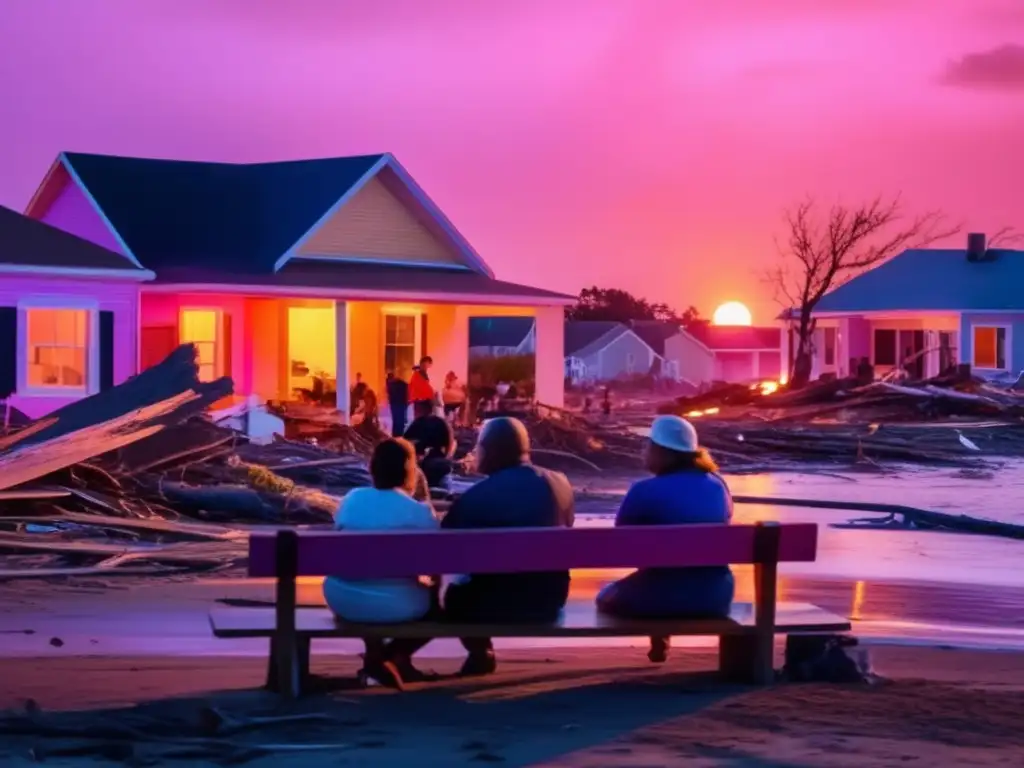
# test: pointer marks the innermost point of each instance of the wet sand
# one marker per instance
(543, 708)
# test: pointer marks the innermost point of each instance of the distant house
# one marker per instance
(924, 311)
(597, 350)
(684, 357)
(742, 354)
(281, 274)
(501, 336)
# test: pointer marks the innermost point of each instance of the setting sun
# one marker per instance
(732, 313)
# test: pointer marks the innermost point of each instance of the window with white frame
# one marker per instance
(202, 327)
(989, 347)
(400, 349)
(57, 348)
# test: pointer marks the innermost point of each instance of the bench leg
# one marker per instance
(288, 666)
(746, 659)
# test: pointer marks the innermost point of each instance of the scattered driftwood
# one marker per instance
(115, 479)
(897, 516)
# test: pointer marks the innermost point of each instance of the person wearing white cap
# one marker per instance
(686, 488)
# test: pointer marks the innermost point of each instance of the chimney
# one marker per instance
(976, 247)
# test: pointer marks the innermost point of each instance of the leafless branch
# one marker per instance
(823, 249)
(1007, 236)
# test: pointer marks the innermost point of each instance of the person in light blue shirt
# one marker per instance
(387, 506)
(686, 488)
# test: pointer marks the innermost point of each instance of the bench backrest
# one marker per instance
(518, 550)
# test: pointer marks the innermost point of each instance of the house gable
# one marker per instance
(411, 229)
(376, 225)
(71, 211)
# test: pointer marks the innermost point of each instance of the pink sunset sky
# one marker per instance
(643, 144)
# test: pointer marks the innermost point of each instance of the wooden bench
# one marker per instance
(746, 638)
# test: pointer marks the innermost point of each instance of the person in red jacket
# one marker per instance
(420, 388)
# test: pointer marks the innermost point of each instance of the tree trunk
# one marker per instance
(801, 370)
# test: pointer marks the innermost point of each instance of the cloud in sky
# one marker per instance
(1000, 68)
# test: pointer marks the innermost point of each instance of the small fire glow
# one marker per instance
(705, 412)
(767, 387)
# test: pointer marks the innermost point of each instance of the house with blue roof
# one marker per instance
(281, 273)
(925, 311)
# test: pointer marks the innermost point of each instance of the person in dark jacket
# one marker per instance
(515, 494)
(434, 439)
(397, 391)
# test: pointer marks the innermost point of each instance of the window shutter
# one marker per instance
(8, 351)
(423, 337)
(106, 350)
(226, 344)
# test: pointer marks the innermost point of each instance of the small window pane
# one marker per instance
(390, 329)
(986, 341)
(406, 329)
(57, 347)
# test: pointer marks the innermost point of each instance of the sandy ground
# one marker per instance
(598, 707)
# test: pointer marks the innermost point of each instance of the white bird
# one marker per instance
(966, 443)
(739, 438)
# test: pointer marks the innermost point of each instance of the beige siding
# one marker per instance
(374, 224)
(696, 362)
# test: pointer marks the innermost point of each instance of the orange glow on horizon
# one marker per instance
(732, 313)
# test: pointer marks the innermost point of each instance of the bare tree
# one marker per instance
(825, 248)
(1005, 237)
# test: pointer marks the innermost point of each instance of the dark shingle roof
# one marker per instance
(934, 279)
(223, 216)
(722, 338)
(361, 276)
(580, 334)
(655, 333)
(498, 331)
(27, 242)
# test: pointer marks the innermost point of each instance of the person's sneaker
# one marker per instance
(478, 664)
(386, 673)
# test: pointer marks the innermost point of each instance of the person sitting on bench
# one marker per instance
(388, 505)
(686, 488)
(515, 494)
(434, 439)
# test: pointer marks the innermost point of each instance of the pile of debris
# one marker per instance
(122, 479)
(844, 421)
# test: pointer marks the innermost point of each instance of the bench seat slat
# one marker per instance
(516, 550)
(578, 620)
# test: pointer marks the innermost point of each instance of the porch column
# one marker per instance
(457, 353)
(341, 350)
(550, 356)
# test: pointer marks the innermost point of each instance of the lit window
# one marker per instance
(989, 347)
(399, 344)
(201, 327)
(57, 348)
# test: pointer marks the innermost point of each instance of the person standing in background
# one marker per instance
(420, 388)
(397, 391)
(453, 397)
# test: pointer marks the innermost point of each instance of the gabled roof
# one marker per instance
(725, 338)
(656, 332)
(30, 246)
(499, 331)
(245, 218)
(587, 337)
(927, 279)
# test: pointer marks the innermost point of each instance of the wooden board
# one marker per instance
(382, 555)
(578, 620)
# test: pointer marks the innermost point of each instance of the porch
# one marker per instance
(273, 346)
(923, 344)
